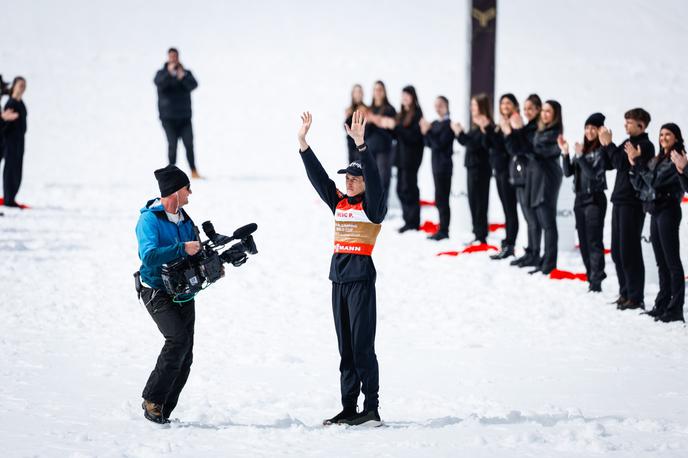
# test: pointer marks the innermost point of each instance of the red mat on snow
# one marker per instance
(496, 226)
(429, 227)
(557, 274)
(470, 249)
(22, 206)
(685, 200)
(427, 203)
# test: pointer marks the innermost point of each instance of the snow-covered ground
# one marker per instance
(477, 359)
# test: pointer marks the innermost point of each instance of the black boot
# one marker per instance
(370, 418)
(619, 300)
(595, 287)
(668, 317)
(346, 414)
(439, 235)
(631, 305)
(533, 261)
(507, 251)
(407, 227)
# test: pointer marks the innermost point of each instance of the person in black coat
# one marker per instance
(13, 132)
(547, 178)
(439, 137)
(659, 187)
(175, 83)
(410, 147)
(588, 169)
(628, 216)
(519, 144)
(355, 105)
(477, 163)
(499, 160)
(380, 133)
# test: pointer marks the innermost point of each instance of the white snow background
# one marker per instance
(476, 358)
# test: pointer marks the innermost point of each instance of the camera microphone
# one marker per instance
(209, 230)
(243, 231)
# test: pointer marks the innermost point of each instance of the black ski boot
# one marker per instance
(368, 418)
(346, 414)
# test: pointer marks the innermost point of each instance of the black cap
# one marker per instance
(354, 169)
(170, 180)
(595, 119)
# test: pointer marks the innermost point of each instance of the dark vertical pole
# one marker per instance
(483, 43)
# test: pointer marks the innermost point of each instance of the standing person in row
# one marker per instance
(477, 163)
(588, 169)
(379, 133)
(439, 137)
(522, 168)
(355, 105)
(175, 83)
(628, 216)
(357, 218)
(547, 181)
(499, 161)
(410, 155)
(657, 182)
(5, 115)
(14, 131)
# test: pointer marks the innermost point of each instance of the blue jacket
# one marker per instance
(160, 241)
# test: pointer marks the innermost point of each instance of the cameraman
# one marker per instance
(165, 233)
(175, 83)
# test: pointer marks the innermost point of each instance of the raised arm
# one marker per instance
(322, 183)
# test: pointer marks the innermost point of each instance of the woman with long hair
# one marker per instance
(547, 179)
(659, 187)
(519, 144)
(410, 155)
(13, 146)
(588, 169)
(499, 161)
(477, 163)
(379, 132)
(355, 105)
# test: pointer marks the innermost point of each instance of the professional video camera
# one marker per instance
(187, 276)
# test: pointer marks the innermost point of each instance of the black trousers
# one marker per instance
(384, 166)
(507, 194)
(176, 324)
(534, 229)
(547, 219)
(478, 183)
(590, 228)
(409, 194)
(442, 192)
(13, 153)
(664, 231)
(355, 315)
(627, 253)
(174, 130)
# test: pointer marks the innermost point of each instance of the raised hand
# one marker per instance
(357, 129)
(632, 152)
(306, 120)
(516, 121)
(579, 149)
(482, 122)
(424, 126)
(680, 160)
(605, 136)
(457, 127)
(563, 145)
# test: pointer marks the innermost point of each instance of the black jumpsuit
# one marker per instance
(440, 140)
(478, 174)
(13, 151)
(410, 147)
(499, 161)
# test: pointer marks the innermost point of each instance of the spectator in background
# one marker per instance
(13, 132)
(439, 137)
(379, 133)
(175, 83)
(659, 187)
(355, 105)
(477, 163)
(588, 169)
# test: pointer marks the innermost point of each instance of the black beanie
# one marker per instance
(595, 119)
(674, 129)
(511, 97)
(170, 180)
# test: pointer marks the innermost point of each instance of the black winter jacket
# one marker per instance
(440, 140)
(624, 193)
(657, 182)
(546, 171)
(477, 154)
(588, 172)
(174, 95)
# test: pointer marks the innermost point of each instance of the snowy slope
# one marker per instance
(476, 359)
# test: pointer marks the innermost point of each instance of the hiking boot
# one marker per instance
(345, 414)
(153, 412)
